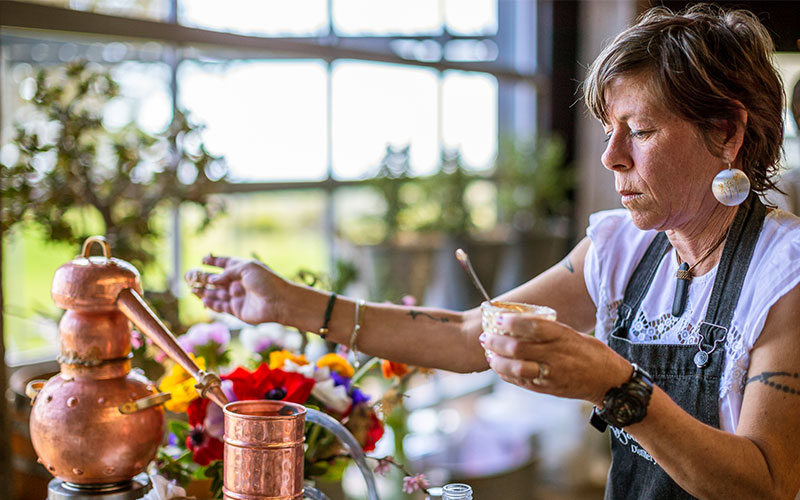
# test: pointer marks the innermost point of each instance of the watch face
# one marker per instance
(625, 409)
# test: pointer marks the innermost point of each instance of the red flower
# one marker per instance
(374, 433)
(197, 411)
(205, 449)
(365, 426)
(264, 383)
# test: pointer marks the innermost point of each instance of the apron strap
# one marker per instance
(640, 282)
(736, 255)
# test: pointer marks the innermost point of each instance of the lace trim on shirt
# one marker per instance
(667, 329)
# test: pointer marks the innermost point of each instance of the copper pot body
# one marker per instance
(263, 450)
(82, 437)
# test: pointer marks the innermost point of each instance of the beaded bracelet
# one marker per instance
(361, 306)
(323, 330)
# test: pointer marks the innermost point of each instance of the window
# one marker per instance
(302, 102)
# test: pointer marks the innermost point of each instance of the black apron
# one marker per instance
(689, 374)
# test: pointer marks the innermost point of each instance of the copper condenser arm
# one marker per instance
(136, 309)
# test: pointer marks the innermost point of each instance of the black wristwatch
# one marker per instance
(626, 404)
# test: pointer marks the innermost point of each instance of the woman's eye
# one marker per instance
(640, 134)
(608, 136)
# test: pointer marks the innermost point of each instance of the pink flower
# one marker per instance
(414, 483)
(409, 300)
(205, 333)
(136, 339)
(383, 466)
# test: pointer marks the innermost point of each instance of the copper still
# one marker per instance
(97, 424)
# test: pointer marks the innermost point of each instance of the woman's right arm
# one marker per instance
(422, 336)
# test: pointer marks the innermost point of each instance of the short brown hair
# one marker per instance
(703, 61)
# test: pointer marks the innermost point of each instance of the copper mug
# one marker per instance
(263, 450)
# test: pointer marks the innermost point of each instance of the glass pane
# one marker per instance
(471, 17)
(377, 105)
(257, 17)
(469, 117)
(284, 229)
(30, 257)
(386, 17)
(267, 118)
(142, 9)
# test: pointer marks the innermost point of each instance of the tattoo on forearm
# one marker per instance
(414, 315)
(780, 383)
(568, 264)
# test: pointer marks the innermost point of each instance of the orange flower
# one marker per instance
(278, 358)
(391, 369)
(337, 364)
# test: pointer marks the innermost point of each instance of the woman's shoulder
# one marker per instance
(614, 231)
(778, 247)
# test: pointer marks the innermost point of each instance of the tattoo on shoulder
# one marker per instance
(780, 381)
(568, 264)
(414, 315)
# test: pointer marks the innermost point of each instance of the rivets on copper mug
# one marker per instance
(77, 471)
(110, 470)
(72, 402)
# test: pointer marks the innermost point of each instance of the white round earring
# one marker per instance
(731, 186)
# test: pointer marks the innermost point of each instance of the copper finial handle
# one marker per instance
(136, 309)
(101, 240)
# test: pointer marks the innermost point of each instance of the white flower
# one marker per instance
(163, 489)
(332, 396)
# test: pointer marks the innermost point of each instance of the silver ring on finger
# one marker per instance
(544, 371)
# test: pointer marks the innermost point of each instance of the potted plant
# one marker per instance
(67, 168)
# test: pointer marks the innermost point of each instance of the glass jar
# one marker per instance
(457, 491)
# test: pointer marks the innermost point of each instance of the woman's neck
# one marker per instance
(694, 240)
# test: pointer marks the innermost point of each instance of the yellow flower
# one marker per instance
(181, 385)
(278, 358)
(336, 363)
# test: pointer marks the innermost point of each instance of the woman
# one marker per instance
(694, 303)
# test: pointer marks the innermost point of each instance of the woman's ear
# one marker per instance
(734, 134)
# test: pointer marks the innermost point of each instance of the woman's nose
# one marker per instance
(617, 153)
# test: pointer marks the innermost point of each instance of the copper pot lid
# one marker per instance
(92, 284)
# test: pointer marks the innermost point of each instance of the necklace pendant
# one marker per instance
(701, 359)
(681, 290)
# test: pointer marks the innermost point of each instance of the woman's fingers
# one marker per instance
(530, 327)
(516, 370)
(216, 261)
(515, 347)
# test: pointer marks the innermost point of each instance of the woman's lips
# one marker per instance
(628, 196)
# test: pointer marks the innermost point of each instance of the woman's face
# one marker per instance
(662, 167)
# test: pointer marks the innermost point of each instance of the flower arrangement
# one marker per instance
(270, 361)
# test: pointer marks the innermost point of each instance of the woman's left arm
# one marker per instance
(761, 460)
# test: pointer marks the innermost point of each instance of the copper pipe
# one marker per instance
(136, 309)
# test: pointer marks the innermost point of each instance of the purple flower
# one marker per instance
(340, 380)
(409, 300)
(414, 483)
(355, 394)
(205, 333)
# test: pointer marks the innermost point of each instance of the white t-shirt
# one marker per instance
(618, 246)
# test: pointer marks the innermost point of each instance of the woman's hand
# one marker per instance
(550, 357)
(246, 289)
